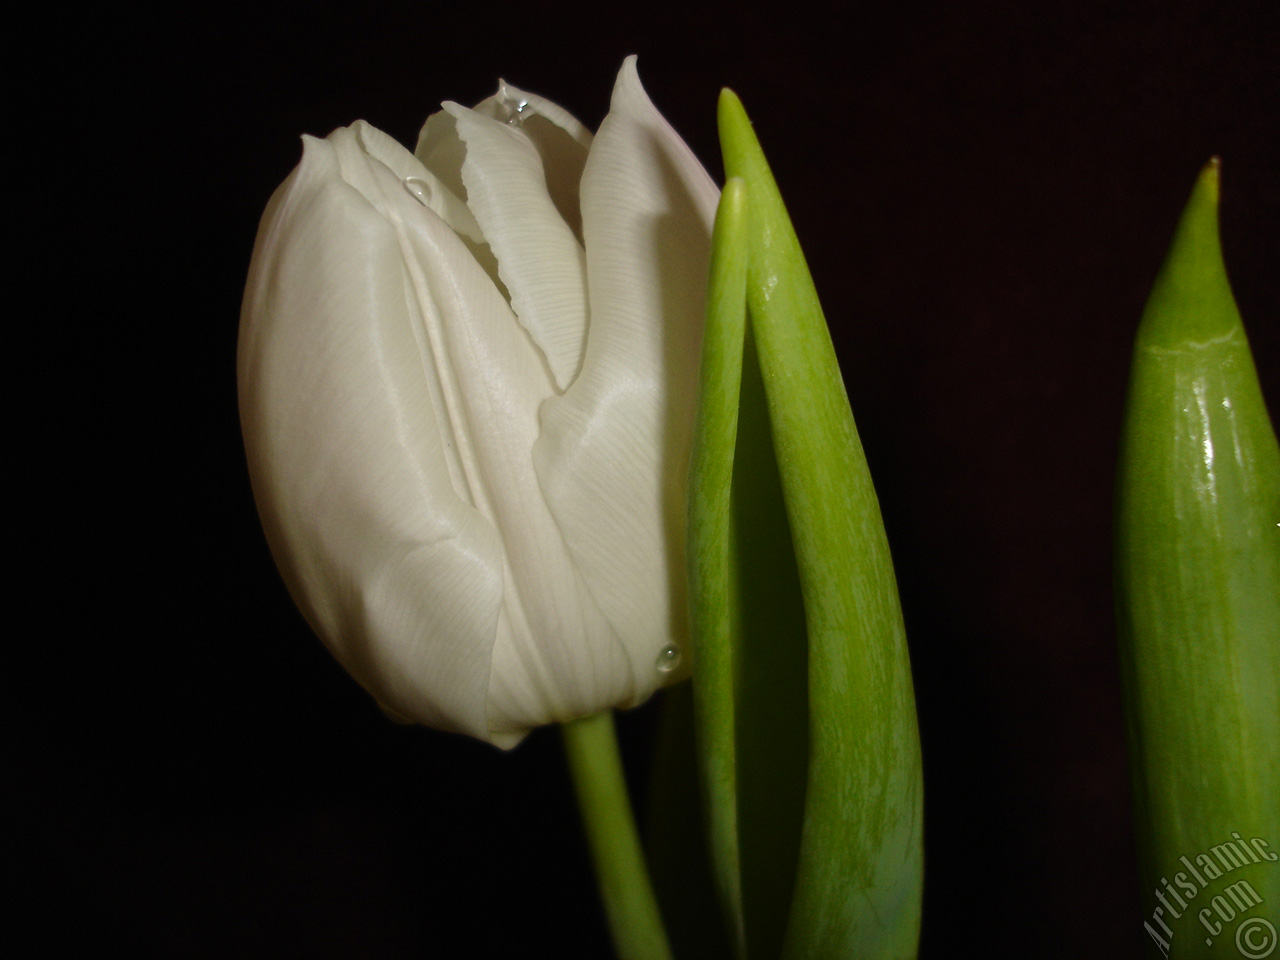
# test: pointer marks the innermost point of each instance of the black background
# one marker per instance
(985, 192)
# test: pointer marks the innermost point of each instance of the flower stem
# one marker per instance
(591, 746)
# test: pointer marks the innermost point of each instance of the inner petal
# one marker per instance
(540, 260)
(559, 138)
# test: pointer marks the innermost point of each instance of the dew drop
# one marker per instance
(669, 658)
(419, 189)
(512, 107)
(517, 110)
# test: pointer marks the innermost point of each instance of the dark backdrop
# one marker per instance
(985, 192)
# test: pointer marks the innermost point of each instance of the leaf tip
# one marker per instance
(737, 139)
(729, 105)
(1191, 300)
(1210, 174)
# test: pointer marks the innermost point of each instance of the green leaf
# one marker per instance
(1198, 572)
(749, 655)
(713, 613)
(858, 870)
(771, 690)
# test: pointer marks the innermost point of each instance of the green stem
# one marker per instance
(591, 746)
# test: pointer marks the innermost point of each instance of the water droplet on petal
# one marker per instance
(419, 189)
(512, 107)
(517, 114)
(669, 658)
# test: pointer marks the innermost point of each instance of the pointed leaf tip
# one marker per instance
(1191, 302)
(737, 138)
(729, 101)
(1211, 173)
(1206, 189)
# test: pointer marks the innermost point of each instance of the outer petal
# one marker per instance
(347, 458)
(613, 454)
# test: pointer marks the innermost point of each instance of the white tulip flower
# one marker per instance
(467, 381)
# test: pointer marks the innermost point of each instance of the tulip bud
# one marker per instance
(467, 381)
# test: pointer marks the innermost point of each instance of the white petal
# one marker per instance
(498, 107)
(560, 139)
(430, 190)
(539, 259)
(348, 461)
(554, 656)
(613, 454)
(442, 152)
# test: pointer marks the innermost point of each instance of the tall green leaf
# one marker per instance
(1198, 569)
(858, 867)
(749, 653)
(711, 588)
